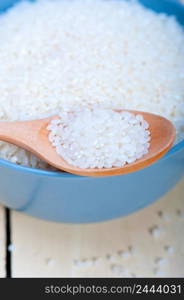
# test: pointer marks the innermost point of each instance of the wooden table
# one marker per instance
(147, 243)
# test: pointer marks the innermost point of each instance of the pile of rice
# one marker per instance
(56, 55)
(100, 138)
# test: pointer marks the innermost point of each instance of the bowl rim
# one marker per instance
(58, 174)
(5, 163)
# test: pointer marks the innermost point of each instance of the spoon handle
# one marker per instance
(13, 132)
(22, 133)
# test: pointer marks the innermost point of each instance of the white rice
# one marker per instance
(57, 54)
(100, 138)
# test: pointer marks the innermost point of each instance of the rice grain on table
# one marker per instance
(60, 54)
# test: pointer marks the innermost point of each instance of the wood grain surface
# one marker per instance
(2, 242)
(147, 243)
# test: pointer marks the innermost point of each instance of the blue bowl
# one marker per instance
(69, 198)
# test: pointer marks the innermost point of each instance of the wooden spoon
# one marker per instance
(33, 136)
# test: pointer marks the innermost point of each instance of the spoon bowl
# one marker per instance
(33, 136)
